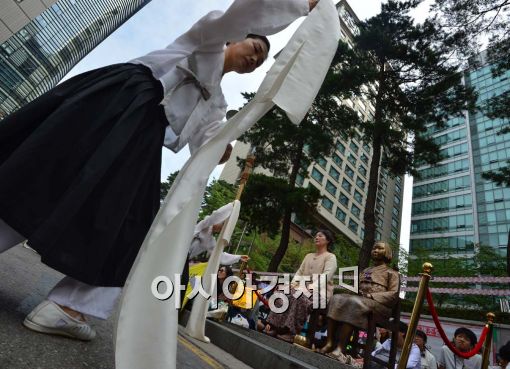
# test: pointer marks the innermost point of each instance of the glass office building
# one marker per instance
(454, 208)
(36, 52)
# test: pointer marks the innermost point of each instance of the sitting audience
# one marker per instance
(383, 352)
(428, 361)
(503, 357)
(464, 340)
(286, 325)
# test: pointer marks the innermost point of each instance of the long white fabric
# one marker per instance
(196, 323)
(146, 334)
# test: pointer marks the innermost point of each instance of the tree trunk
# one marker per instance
(369, 215)
(373, 181)
(287, 214)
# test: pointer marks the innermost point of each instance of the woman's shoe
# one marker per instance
(49, 318)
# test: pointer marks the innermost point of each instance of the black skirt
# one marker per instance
(80, 171)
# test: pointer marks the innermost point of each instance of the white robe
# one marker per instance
(192, 119)
(146, 334)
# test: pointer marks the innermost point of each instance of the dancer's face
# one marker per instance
(245, 56)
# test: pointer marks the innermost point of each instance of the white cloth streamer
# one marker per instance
(146, 334)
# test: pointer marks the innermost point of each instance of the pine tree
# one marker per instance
(410, 83)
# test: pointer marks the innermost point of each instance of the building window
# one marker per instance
(322, 162)
(355, 211)
(335, 174)
(360, 183)
(327, 203)
(362, 170)
(352, 159)
(340, 147)
(340, 215)
(337, 160)
(331, 188)
(348, 170)
(346, 186)
(318, 176)
(358, 197)
(354, 147)
(353, 226)
(364, 158)
(344, 200)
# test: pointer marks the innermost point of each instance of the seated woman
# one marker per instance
(378, 293)
(224, 272)
(286, 325)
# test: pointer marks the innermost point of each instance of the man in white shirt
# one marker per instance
(383, 352)
(428, 361)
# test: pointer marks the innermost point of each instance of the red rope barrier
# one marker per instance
(465, 355)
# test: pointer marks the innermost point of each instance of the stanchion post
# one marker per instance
(248, 167)
(415, 315)
(488, 341)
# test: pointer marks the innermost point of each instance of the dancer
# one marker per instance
(80, 165)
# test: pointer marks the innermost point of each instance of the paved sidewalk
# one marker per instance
(24, 282)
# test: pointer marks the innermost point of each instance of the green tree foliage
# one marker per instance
(485, 262)
(287, 149)
(217, 194)
(265, 199)
(165, 186)
(401, 68)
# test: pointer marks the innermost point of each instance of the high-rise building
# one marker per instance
(342, 179)
(41, 40)
(454, 208)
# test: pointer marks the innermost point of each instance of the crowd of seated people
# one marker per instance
(348, 313)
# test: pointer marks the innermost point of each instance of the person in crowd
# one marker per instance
(503, 357)
(383, 334)
(224, 272)
(80, 165)
(464, 339)
(286, 325)
(383, 352)
(378, 293)
(428, 361)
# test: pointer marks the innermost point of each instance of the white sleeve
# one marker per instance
(414, 360)
(229, 259)
(262, 17)
(206, 132)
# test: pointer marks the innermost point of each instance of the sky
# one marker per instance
(161, 21)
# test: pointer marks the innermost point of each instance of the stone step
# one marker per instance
(260, 351)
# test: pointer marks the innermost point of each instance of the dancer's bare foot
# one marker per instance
(75, 314)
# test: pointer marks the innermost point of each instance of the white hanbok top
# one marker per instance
(204, 240)
(190, 68)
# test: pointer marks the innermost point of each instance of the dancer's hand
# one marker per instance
(312, 3)
(245, 258)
